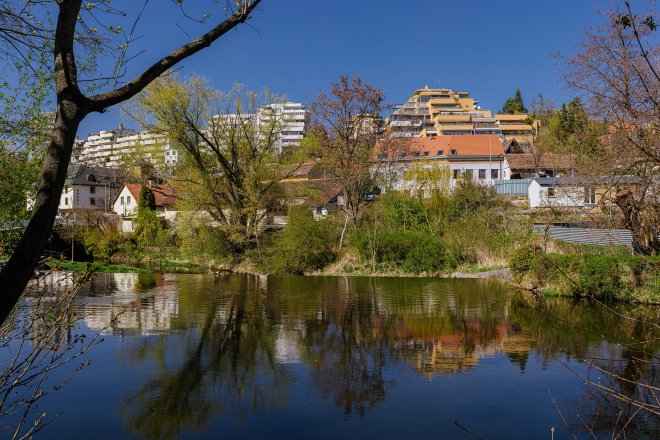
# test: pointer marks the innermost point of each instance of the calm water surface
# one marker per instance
(197, 356)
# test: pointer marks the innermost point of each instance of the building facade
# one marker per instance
(116, 148)
(89, 188)
(292, 119)
(441, 162)
(444, 112)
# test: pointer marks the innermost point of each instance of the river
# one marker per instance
(201, 356)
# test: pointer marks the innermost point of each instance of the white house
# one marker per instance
(125, 203)
(477, 158)
(89, 188)
(557, 192)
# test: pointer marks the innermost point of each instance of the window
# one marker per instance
(551, 192)
(441, 152)
(66, 201)
(494, 174)
(456, 174)
(416, 154)
(122, 200)
(92, 201)
(128, 200)
(589, 195)
(453, 152)
(426, 153)
(92, 190)
(482, 174)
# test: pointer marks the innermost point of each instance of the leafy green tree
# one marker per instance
(151, 229)
(514, 105)
(229, 167)
(147, 200)
(305, 244)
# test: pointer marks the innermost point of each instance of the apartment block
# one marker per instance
(444, 112)
(115, 148)
(292, 116)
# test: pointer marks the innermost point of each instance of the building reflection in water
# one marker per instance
(228, 344)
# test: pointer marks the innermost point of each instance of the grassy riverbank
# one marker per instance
(631, 278)
(96, 266)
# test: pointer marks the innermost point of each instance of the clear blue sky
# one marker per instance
(297, 47)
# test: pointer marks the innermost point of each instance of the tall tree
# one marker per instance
(227, 141)
(616, 73)
(514, 105)
(76, 29)
(347, 122)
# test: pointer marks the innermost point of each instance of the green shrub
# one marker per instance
(602, 276)
(104, 244)
(151, 229)
(522, 260)
(599, 276)
(469, 197)
(403, 212)
(195, 236)
(304, 245)
(415, 251)
(427, 256)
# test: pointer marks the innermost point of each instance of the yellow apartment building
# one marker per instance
(444, 112)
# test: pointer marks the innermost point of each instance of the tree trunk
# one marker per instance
(644, 233)
(20, 267)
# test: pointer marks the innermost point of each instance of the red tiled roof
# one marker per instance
(315, 192)
(164, 195)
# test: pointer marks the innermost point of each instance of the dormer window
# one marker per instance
(453, 152)
(426, 153)
(91, 178)
(416, 154)
(441, 152)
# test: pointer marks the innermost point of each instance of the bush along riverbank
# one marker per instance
(632, 278)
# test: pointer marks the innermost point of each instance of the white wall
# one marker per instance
(504, 173)
(125, 204)
(80, 197)
(564, 196)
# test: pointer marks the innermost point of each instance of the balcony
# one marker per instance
(443, 101)
(516, 127)
(452, 118)
(455, 127)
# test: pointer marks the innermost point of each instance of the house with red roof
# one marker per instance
(476, 158)
(125, 203)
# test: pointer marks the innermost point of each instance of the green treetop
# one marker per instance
(514, 105)
(147, 200)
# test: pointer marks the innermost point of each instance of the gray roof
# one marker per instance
(94, 176)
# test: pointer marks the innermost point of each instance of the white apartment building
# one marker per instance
(114, 148)
(292, 116)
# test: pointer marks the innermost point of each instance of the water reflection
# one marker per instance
(236, 345)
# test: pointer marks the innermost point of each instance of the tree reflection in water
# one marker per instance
(227, 364)
(229, 344)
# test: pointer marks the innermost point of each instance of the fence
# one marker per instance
(514, 187)
(587, 235)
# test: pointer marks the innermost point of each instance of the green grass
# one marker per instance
(77, 266)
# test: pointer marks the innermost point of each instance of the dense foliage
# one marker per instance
(305, 244)
(622, 277)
